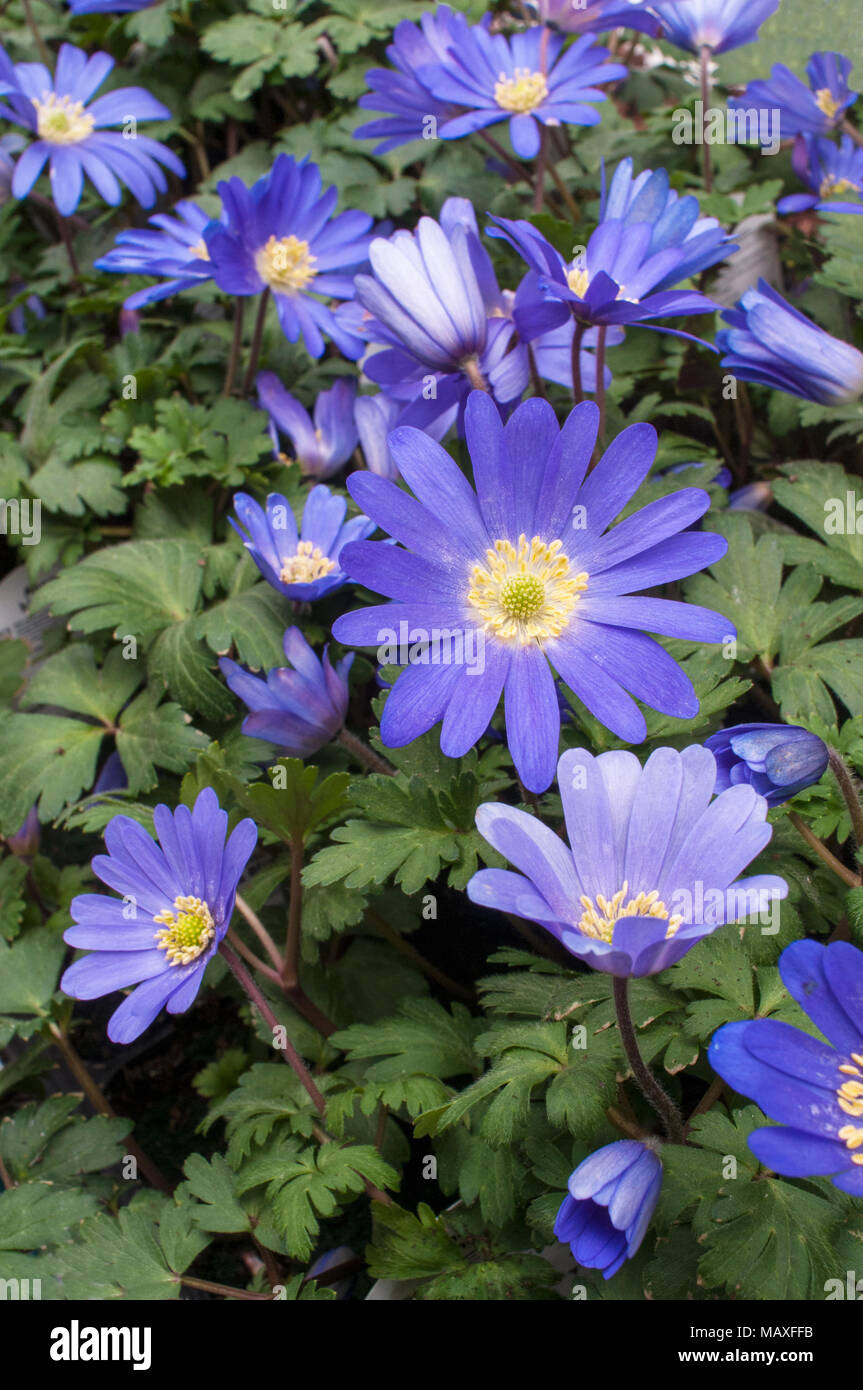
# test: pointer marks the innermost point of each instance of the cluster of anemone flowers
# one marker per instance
(519, 550)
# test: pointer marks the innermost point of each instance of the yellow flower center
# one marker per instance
(523, 92)
(286, 264)
(200, 250)
(850, 1099)
(307, 564)
(579, 282)
(187, 931)
(527, 593)
(831, 186)
(61, 121)
(826, 102)
(600, 914)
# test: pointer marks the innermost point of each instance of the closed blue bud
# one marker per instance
(612, 1196)
(778, 760)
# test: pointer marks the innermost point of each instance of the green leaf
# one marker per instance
(135, 589)
(215, 1186)
(116, 1258)
(37, 1213)
(29, 970)
(405, 1246)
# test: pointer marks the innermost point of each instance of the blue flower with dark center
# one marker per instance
(813, 1089)
(814, 110)
(300, 707)
(306, 564)
(770, 343)
(434, 304)
(71, 136)
(177, 250)
(778, 760)
(526, 79)
(414, 113)
(176, 907)
(592, 16)
(281, 235)
(714, 24)
(612, 1196)
(526, 572)
(648, 239)
(832, 172)
(652, 863)
(321, 446)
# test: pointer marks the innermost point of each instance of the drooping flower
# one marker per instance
(814, 110)
(304, 564)
(831, 171)
(176, 907)
(612, 1196)
(778, 760)
(322, 446)
(299, 707)
(281, 235)
(770, 343)
(177, 250)
(526, 79)
(434, 304)
(813, 1089)
(71, 136)
(414, 114)
(375, 417)
(592, 16)
(525, 571)
(652, 863)
(714, 24)
(648, 240)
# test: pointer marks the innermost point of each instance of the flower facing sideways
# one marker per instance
(652, 862)
(302, 564)
(778, 760)
(526, 569)
(612, 1196)
(178, 896)
(299, 707)
(176, 250)
(813, 1089)
(323, 444)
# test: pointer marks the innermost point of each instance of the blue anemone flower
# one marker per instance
(592, 16)
(648, 239)
(433, 303)
(306, 564)
(525, 79)
(830, 170)
(414, 114)
(299, 707)
(281, 235)
(772, 344)
(177, 250)
(814, 110)
(526, 572)
(71, 136)
(321, 446)
(813, 1089)
(177, 901)
(778, 760)
(652, 863)
(714, 24)
(109, 6)
(612, 1196)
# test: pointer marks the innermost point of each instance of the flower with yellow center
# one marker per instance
(522, 92)
(525, 593)
(200, 250)
(306, 564)
(850, 1100)
(826, 102)
(832, 186)
(187, 931)
(285, 264)
(601, 914)
(578, 280)
(62, 121)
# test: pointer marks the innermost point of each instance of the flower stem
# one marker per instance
(599, 360)
(406, 949)
(847, 877)
(225, 1290)
(564, 192)
(520, 173)
(66, 237)
(102, 1105)
(236, 346)
(44, 51)
(470, 367)
(849, 793)
(287, 1049)
(856, 135)
(260, 931)
(290, 972)
(705, 101)
(240, 946)
(362, 753)
(646, 1081)
(541, 161)
(255, 350)
(578, 334)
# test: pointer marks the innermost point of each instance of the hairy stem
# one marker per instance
(257, 335)
(849, 793)
(705, 102)
(225, 1290)
(362, 753)
(646, 1081)
(577, 391)
(236, 347)
(851, 879)
(260, 931)
(240, 946)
